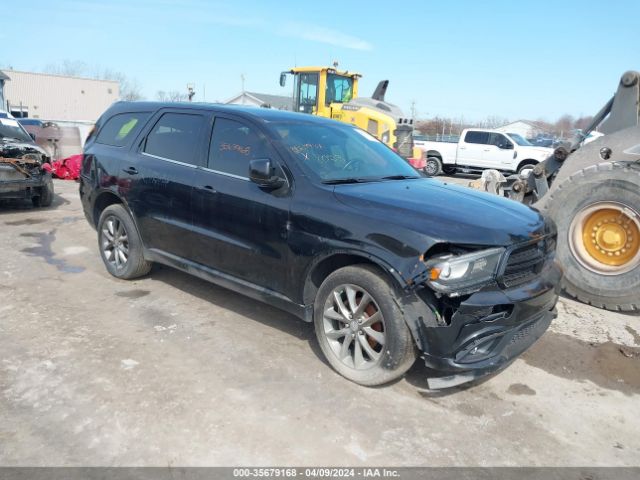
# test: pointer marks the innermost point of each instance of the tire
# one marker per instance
(120, 244)
(599, 189)
(527, 166)
(378, 363)
(45, 199)
(433, 168)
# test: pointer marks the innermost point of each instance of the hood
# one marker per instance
(445, 213)
(17, 150)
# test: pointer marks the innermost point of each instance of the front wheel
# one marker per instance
(120, 245)
(45, 197)
(360, 328)
(433, 168)
(525, 170)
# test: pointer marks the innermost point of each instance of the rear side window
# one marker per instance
(120, 128)
(177, 136)
(477, 137)
(233, 145)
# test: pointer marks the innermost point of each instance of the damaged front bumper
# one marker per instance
(486, 330)
(21, 178)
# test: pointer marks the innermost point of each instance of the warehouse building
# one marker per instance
(524, 128)
(55, 97)
(254, 99)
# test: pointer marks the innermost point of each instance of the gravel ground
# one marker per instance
(171, 370)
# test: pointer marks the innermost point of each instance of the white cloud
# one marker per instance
(320, 34)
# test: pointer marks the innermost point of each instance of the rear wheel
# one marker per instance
(597, 212)
(360, 328)
(433, 167)
(120, 245)
(526, 168)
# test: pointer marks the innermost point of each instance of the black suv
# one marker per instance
(321, 219)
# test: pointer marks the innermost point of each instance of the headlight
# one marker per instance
(462, 274)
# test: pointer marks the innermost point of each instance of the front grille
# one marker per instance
(523, 333)
(525, 263)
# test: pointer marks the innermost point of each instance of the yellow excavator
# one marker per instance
(332, 93)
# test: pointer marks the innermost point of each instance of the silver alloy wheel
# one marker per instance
(115, 242)
(431, 168)
(354, 327)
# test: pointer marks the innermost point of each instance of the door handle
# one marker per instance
(131, 170)
(463, 148)
(209, 188)
(487, 149)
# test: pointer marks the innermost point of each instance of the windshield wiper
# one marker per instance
(338, 181)
(12, 138)
(399, 177)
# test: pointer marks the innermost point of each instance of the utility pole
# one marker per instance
(242, 81)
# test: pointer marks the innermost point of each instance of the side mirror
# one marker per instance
(263, 173)
(33, 136)
(506, 146)
(283, 79)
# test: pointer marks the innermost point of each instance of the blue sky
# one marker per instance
(513, 59)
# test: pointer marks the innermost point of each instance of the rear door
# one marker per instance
(471, 148)
(242, 229)
(159, 175)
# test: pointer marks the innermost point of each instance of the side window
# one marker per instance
(498, 140)
(120, 128)
(176, 136)
(477, 137)
(339, 89)
(233, 145)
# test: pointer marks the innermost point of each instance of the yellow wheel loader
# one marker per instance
(332, 93)
(592, 192)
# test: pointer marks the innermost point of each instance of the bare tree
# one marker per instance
(129, 88)
(564, 125)
(583, 122)
(69, 68)
(171, 96)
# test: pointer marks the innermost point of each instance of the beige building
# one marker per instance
(55, 97)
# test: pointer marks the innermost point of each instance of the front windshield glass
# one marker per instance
(342, 154)
(11, 129)
(519, 140)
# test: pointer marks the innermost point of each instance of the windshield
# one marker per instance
(519, 140)
(337, 154)
(10, 128)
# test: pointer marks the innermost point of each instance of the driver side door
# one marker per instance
(498, 153)
(306, 88)
(241, 228)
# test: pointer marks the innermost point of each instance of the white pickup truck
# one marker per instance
(479, 149)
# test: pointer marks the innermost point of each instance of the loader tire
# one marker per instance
(597, 213)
